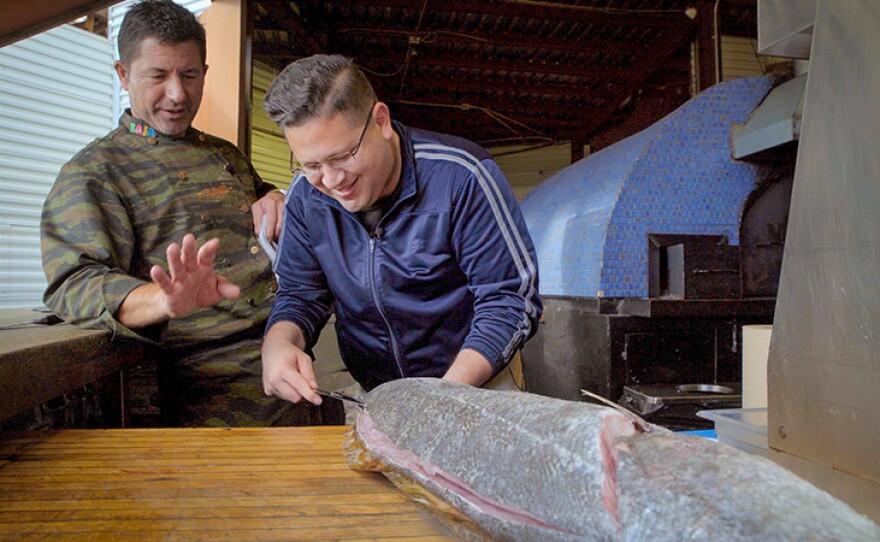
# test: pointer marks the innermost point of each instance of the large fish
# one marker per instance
(517, 466)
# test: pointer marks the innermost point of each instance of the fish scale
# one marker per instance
(517, 466)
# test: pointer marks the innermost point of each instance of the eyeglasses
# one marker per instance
(334, 162)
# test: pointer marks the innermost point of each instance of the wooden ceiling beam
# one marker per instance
(24, 18)
(380, 60)
(525, 111)
(535, 9)
(482, 128)
(648, 66)
(491, 83)
(429, 58)
(501, 39)
(281, 12)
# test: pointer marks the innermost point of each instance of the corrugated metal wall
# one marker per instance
(526, 169)
(55, 97)
(269, 151)
(740, 58)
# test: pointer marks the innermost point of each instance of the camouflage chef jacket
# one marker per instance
(117, 205)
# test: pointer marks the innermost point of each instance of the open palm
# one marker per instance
(191, 282)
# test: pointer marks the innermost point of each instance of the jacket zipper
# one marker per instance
(375, 293)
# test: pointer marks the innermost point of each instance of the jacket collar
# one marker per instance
(135, 126)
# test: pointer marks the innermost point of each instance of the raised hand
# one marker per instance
(192, 283)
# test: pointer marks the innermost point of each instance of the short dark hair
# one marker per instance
(163, 20)
(319, 86)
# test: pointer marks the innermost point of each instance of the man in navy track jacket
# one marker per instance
(414, 239)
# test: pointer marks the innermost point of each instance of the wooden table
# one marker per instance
(39, 363)
(287, 483)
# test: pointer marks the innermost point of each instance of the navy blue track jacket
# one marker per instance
(452, 266)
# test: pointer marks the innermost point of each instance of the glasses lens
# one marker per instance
(341, 161)
(310, 171)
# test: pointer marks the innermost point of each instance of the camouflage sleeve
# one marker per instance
(87, 243)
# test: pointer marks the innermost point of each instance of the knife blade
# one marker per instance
(341, 397)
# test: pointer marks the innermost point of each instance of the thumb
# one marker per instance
(227, 289)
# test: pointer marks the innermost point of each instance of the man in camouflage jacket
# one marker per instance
(142, 199)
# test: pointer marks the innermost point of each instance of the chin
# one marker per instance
(174, 128)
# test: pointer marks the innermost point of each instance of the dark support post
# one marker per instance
(708, 55)
(577, 149)
(248, 11)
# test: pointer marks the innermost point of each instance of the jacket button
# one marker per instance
(244, 208)
(255, 250)
(273, 288)
(152, 140)
(204, 217)
(181, 175)
(202, 138)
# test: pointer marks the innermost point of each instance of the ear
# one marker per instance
(382, 117)
(122, 73)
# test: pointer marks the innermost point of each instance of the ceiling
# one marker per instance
(509, 72)
(499, 72)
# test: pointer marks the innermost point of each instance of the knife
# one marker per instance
(341, 397)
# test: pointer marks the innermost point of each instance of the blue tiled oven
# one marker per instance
(655, 251)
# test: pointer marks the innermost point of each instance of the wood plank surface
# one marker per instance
(40, 362)
(288, 483)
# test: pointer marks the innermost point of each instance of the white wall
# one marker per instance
(56, 93)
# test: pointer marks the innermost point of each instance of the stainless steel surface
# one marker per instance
(703, 388)
(785, 27)
(646, 399)
(776, 121)
(640, 403)
(824, 364)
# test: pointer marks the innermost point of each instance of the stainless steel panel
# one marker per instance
(776, 121)
(785, 27)
(824, 366)
(860, 493)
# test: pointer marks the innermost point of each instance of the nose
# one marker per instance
(174, 89)
(331, 177)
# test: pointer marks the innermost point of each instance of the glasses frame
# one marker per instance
(346, 160)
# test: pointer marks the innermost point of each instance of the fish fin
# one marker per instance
(358, 457)
(639, 422)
